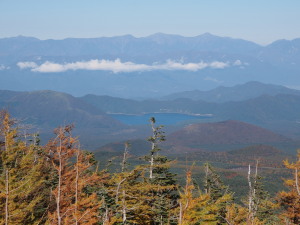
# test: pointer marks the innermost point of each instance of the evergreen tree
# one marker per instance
(158, 191)
(125, 201)
(217, 191)
(21, 178)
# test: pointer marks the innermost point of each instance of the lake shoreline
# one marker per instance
(149, 113)
(166, 118)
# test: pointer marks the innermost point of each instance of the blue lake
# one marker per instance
(161, 118)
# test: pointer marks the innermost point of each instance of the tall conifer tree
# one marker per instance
(21, 177)
(159, 190)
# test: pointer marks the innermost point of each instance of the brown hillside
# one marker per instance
(227, 132)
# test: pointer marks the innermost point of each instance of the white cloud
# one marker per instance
(117, 66)
(172, 65)
(240, 63)
(114, 66)
(26, 65)
(218, 65)
(237, 63)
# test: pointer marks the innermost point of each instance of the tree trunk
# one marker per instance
(151, 164)
(180, 213)
(59, 185)
(297, 181)
(124, 216)
(250, 196)
(152, 148)
(124, 161)
(6, 197)
(76, 186)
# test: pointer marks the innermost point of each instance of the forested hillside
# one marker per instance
(60, 183)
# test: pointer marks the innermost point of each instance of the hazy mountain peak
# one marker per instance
(207, 35)
(126, 36)
(25, 37)
(21, 38)
(163, 35)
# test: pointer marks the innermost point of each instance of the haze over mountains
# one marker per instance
(272, 107)
(239, 92)
(226, 109)
(224, 78)
(147, 67)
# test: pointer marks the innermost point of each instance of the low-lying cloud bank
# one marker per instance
(117, 66)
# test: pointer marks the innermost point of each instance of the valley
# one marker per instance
(230, 134)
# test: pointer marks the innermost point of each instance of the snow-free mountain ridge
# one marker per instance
(153, 66)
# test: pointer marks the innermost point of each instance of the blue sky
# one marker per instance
(261, 21)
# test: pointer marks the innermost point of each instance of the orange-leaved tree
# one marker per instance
(290, 200)
(75, 199)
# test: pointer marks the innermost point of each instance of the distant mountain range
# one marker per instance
(272, 107)
(243, 88)
(176, 101)
(128, 47)
(153, 66)
(241, 92)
